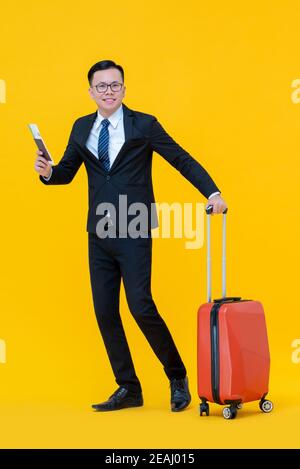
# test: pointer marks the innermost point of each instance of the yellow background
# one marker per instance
(218, 77)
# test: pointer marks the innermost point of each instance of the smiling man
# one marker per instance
(116, 144)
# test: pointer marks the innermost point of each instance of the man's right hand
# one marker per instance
(41, 165)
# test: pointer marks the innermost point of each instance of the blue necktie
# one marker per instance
(103, 145)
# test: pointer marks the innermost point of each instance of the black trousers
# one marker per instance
(111, 259)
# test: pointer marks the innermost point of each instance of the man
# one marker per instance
(116, 145)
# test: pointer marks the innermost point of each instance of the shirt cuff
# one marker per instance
(214, 193)
(47, 179)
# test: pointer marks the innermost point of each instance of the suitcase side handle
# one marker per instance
(228, 299)
(209, 210)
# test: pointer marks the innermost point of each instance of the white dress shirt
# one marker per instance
(116, 137)
(116, 134)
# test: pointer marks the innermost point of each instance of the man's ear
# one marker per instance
(91, 93)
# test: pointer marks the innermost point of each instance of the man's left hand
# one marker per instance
(219, 205)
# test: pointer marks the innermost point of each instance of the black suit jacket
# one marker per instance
(130, 173)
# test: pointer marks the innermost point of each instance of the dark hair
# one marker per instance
(104, 65)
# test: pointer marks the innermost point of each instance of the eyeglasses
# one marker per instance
(114, 86)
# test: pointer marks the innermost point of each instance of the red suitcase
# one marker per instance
(232, 346)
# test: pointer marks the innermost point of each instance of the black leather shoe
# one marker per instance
(180, 394)
(120, 399)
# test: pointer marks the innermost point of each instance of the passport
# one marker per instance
(40, 142)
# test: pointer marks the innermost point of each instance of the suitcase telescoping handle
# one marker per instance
(209, 210)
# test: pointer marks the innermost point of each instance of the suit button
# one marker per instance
(108, 178)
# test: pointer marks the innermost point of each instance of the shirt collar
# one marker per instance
(113, 119)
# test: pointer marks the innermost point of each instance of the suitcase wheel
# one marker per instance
(265, 405)
(230, 412)
(204, 408)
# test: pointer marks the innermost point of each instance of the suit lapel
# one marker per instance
(128, 122)
(86, 127)
(128, 131)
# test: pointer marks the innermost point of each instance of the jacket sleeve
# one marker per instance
(163, 144)
(65, 170)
